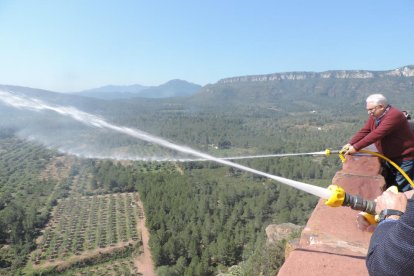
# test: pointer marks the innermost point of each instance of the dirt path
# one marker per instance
(86, 255)
(143, 262)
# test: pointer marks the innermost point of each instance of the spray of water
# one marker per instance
(95, 121)
(274, 155)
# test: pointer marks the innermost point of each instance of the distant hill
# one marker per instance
(109, 92)
(241, 106)
(173, 88)
(79, 101)
(294, 91)
(286, 92)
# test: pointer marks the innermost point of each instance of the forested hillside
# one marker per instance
(244, 112)
(203, 217)
(25, 198)
(224, 211)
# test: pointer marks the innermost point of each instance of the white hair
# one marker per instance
(377, 99)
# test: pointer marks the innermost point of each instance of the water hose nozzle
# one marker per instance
(337, 196)
(342, 153)
(340, 198)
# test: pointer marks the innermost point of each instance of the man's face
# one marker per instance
(374, 110)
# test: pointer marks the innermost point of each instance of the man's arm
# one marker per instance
(391, 249)
(389, 123)
(364, 131)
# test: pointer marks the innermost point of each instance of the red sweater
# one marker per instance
(392, 137)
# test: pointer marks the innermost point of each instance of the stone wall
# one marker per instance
(331, 243)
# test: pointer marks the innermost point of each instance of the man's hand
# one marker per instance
(348, 149)
(351, 150)
(345, 147)
(391, 200)
(363, 224)
(409, 194)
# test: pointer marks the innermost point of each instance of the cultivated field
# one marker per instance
(88, 230)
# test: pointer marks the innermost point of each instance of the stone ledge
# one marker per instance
(331, 243)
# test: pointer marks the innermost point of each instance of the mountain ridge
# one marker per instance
(172, 88)
(292, 91)
(296, 91)
(405, 71)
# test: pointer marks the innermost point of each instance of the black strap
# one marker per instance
(389, 212)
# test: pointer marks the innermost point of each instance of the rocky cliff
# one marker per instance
(406, 71)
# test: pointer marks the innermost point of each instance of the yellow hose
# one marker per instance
(341, 155)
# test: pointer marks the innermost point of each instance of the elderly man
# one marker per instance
(388, 129)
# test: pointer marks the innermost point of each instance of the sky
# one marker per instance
(73, 45)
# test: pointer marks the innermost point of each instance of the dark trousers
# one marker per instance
(394, 178)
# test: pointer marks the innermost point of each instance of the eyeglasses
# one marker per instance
(372, 110)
